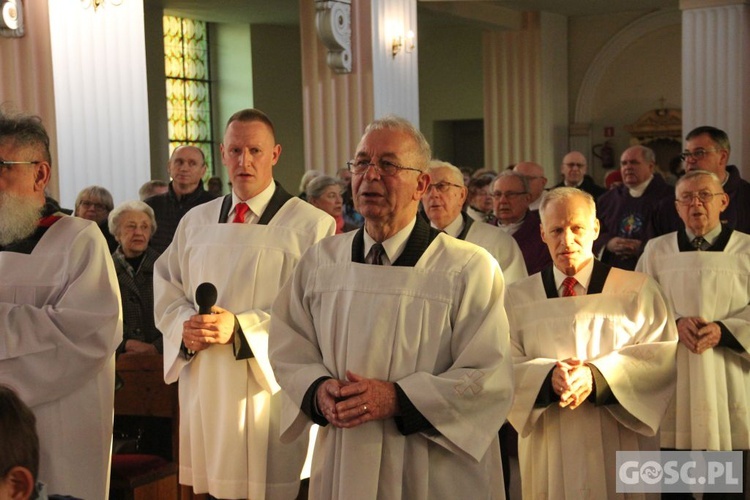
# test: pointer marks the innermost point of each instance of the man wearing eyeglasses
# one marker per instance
(510, 200)
(59, 317)
(627, 212)
(395, 340)
(186, 167)
(704, 269)
(534, 173)
(573, 169)
(247, 244)
(442, 202)
(708, 148)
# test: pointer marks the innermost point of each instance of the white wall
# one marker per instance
(101, 107)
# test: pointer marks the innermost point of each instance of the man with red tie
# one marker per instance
(593, 351)
(247, 244)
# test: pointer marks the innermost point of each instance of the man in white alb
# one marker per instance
(247, 244)
(443, 201)
(60, 317)
(394, 339)
(704, 269)
(593, 351)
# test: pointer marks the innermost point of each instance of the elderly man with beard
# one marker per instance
(394, 339)
(60, 319)
(442, 204)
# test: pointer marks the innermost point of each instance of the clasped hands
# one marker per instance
(573, 381)
(202, 331)
(698, 334)
(624, 246)
(356, 400)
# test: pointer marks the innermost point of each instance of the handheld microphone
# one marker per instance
(205, 296)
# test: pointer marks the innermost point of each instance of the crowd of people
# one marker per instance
(408, 308)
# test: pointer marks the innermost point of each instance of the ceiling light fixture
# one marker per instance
(99, 3)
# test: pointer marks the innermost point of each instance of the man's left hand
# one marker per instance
(708, 336)
(365, 399)
(203, 330)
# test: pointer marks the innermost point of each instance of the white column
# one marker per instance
(338, 106)
(395, 77)
(525, 93)
(101, 107)
(716, 71)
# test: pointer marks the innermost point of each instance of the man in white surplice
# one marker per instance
(229, 400)
(405, 364)
(593, 351)
(60, 317)
(704, 269)
(443, 201)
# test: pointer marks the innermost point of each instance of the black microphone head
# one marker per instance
(205, 296)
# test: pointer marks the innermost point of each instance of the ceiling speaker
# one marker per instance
(11, 18)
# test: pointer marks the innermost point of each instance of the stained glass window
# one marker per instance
(188, 85)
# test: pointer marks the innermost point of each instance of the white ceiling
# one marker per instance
(287, 11)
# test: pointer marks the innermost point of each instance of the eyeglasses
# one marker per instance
(574, 165)
(97, 206)
(7, 164)
(442, 187)
(703, 196)
(508, 194)
(383, 167)
(698, 154)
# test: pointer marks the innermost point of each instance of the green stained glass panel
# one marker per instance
(188, 84)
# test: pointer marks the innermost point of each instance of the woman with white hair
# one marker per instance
(132, 224)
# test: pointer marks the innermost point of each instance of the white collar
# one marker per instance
(257, 203)
(583, 277)
(637, 191)
(454, 228)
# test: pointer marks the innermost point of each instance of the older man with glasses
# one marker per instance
(394, 338)
(704, 270)
(510, 201)
(442, 203)
(534, 173)
(573, 169)
(708, 148)
(60, 317)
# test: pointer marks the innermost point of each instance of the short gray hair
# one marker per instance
(393, 122)
(698, 173)
(566, 193)
(113, 220)
(647, 153)
(149, 188)
(457, 174)
(319, 184)
(308, 176)
(95, 192)
(512, 173)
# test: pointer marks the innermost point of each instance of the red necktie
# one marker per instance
(568, 287)
(239, 212)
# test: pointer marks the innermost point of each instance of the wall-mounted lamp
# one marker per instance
(11, 18)
(407, 43)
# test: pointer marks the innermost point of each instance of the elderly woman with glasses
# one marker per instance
(94, 203)
(132, 224)
(324, 192)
